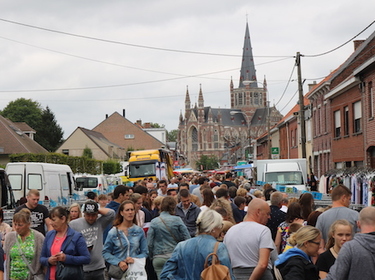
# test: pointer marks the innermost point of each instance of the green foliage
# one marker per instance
(172, 135)
(87, 152)
(156, 125)
(24, 110)
(77, 164)
(48, 133)
(111, 167)
(207, 162)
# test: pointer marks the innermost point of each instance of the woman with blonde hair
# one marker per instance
(340, 232)
(74, 212)
(23, 248)
(296, 262)
(139, 214)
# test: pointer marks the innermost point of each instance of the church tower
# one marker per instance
(248, 97)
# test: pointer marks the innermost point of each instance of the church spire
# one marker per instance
(187, 99)
(200, 98)
(247, 67)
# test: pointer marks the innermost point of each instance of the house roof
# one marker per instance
(13, 140)
(99, 139)
(24, 127)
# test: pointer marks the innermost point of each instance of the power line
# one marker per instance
(125, 44)
(351, 39)
(287, 84)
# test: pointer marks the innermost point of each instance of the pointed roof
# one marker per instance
(13, 140)
(187, 97)
(200, 98)
(247, 66)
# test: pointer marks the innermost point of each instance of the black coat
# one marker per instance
(298, 268)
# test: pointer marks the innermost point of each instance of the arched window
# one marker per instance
(194, 139)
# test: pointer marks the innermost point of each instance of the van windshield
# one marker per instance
(87, 182)
(285, 178)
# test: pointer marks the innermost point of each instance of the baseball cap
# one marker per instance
(91, 207)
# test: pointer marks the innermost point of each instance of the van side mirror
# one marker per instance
(126, 173)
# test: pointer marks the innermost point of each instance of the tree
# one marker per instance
(156, 125)
(24, 110)
(87, 152)
(172, 135)
(48, 133)
(207, 162)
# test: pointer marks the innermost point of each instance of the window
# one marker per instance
(346, 121)
(337, 123)
(357, 116)
(129, 136)
(194, 137)
(240, 99)
(216, 139)
(65, 151)
(15, 181)
(35, 181)
(370, 101)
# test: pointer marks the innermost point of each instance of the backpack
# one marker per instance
(215, 271)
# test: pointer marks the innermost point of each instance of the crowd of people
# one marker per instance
(166, 229)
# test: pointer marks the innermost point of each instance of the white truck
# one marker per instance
(53, 181)
(283, 172)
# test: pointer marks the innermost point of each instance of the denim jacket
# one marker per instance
(160, 240)
(190, 218)
(187, 260)
(114, 253)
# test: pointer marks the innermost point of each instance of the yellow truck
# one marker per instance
(151, 164)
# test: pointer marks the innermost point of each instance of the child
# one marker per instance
(293, 227)
(103, 200)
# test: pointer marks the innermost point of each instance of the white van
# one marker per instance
(86, 183)
(53, 181)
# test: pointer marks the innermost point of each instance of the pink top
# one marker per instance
(55, 249)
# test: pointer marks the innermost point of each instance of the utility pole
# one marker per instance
(301, 106)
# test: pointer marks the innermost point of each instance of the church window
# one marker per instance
(240, 99)
(194, 139)
(256, 100)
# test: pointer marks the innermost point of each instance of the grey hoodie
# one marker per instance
(356, 259)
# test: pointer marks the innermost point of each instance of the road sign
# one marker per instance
(275, 150)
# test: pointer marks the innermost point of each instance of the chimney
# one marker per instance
(123, 113)
(139, 122)
(147, 125)
(106, 116)
(357, 43)
(311, 86)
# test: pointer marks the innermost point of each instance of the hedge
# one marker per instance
(77, 164)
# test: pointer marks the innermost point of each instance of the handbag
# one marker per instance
(136, 270)
(215, 271)
(32, 275)
(68, 271)
(115, 271)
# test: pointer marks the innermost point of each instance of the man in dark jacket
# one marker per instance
(277, 216)
(187, 211)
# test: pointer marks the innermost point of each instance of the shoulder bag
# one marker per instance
(68, 271)
(115, 271)
(175, 239)
(32, 274)
(215, 271)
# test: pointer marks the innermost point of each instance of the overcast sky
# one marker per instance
(137, 55)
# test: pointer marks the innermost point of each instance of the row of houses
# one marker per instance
(339, 118)
(110, 139)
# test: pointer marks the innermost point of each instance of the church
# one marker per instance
(229, 134)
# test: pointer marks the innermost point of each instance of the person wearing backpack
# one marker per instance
(188, 258)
